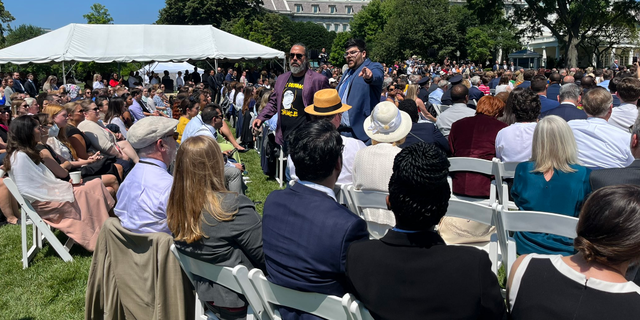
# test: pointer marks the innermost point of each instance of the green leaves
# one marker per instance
(203, 12)
(98, 15)
(22, 33)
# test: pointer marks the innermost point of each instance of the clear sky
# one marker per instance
(54, 14)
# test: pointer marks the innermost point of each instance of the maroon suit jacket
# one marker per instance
(313, 82)
(474, 137)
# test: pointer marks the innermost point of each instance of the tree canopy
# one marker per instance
(99, 14)
(202, 12)
(5, 18)
(22, 33)
(572, 22)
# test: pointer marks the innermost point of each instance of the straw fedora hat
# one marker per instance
(387, 123)
(326, 102)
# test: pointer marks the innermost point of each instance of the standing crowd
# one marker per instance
(172, 166)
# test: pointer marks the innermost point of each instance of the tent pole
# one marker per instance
(64, 75)
(216, 64)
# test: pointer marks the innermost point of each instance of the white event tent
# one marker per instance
(104, 43)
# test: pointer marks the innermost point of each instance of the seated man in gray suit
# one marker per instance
(615, 176)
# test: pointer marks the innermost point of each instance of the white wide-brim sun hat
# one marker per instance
(387, 123)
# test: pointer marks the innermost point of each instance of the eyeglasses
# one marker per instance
(352, 53)
(296, 55)
(219, 117)
(96, 109)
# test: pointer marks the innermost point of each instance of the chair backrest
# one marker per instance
(272, 296)
(366, 199)
(502, 171)
(356, 308)
(235, 279)
(473, 211)
(466, 164)
(536, 221)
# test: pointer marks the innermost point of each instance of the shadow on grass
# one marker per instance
(76, 251)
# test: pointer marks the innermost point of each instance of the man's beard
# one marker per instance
(297, 70)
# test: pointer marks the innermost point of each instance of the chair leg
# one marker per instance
(23, 231)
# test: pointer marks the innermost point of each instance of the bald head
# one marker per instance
(459, 93)
(568, 79)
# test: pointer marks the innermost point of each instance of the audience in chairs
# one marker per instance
(410, 273)
(590, 284)
(513, 143)
(77, 210)
(305, 232)
(213, 224)
(387, 127)
(627, 175)
(552, 181)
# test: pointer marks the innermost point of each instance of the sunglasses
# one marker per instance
(296, 55)
(96, 109)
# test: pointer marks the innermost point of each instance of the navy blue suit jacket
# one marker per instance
(525, 84)
(363, 97)
(494, 83)
(547, 104)
(553, 90)
(427, 132)
(305, 237)
(475, 93)
(17, 86)
(566, 111)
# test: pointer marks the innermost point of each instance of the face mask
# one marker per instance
(54, 130)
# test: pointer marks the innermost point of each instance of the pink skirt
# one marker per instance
(82, 219)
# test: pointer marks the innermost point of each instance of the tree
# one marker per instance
(573, 21)
(602, 42)
(336, 57)
(98, 15)
(22, 33)
(479, 43)
(370, 21)
(5, 18)
(430, 26)
(202, 12)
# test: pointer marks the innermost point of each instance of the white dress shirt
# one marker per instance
(513, 143)
(601, 145)
(351, 147)
(143, 197)
(624, 116)
(456, 112)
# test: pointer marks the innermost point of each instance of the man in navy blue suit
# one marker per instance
(422, 132)
(539, 87)
(569, 101)
(474, 91)
(528, 76)
(360, 87)
(553, 90)
(305, 232)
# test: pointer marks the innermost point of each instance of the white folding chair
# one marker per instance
(529, 221)
(356, 309)
(365, 199)
(503, 171)
(437, 108)
(40, 230)
(272, 296)
(483, 214)
(472, 165)
(280, 167)
(341, 193)
(235, 279)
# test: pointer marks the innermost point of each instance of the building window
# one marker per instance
(345, 27)
(332, 9)
(316, 8)
(349, 9)
(298, 8)
(335, 27)
(328, 26)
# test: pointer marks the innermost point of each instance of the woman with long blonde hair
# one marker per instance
(552, 181)
(212, 224)
(412, 93)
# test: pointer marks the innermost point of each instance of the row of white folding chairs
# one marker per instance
(500, 170)
(264, 297)
(40, 229)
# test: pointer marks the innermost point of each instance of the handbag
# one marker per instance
(100, 167)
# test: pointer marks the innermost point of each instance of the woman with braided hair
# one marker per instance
(591, 284)
(411, 273)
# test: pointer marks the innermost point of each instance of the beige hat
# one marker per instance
(387, 123)
(149, 130)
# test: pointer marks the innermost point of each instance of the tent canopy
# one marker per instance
(104, 43)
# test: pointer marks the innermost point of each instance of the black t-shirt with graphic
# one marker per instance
(292, 113)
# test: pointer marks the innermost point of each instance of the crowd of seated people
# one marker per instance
(161, 160)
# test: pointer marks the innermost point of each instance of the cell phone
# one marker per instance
(233, 151)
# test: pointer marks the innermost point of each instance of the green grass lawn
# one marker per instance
(53, 289)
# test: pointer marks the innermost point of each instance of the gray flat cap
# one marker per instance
(149, 130)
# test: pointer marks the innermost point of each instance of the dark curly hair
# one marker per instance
(608, 226)
(418, 189)
(525, 105)
(315, 149)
